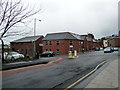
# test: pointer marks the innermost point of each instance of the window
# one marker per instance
(13, 49)
(26, 51)
(57, 51)
(71, 43)
(46, 43)
(50, 42)
(57, 42)
(71, 49)
(81, 42)
(46, 49)
(50, 49)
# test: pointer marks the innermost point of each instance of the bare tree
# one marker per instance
(11, 13)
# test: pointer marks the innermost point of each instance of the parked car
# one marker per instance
(13, 56)
(47, 54)
(115, 49)
(108, 50)
(97, 49)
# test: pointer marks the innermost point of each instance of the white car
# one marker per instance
(13, 56)
(115, 49)
(108, 50)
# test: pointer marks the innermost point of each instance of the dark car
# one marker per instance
(97, 49)
(47, 54)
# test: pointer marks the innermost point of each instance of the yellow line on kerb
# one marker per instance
(84, 76)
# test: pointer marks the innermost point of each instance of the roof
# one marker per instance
(79, 37)
(59, 36)
(28, 39)
(94, 40)
(62, 36)
(89, 39)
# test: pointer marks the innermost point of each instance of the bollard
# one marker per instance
(70, 54)
(75, 53)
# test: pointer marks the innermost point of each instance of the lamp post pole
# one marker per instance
(34, 38)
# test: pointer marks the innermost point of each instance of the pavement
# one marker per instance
(13, 65)
(108, 78)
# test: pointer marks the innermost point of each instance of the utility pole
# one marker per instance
(2, 50)
(34, 36)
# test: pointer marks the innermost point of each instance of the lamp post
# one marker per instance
(35, 35)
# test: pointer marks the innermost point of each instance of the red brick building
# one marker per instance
(62, 43)
(28, 46)
(88, 42)
(114, 42)
(97, 43)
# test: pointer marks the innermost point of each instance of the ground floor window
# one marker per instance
(46, 49)
(57, 51)
(71, 49)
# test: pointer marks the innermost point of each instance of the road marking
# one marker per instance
(84, 76)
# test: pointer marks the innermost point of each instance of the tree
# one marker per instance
(12, 13)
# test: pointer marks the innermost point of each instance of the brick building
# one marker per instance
(62, 43)
(28, 46)
(97, 43)
(114, 42)
(88, 42)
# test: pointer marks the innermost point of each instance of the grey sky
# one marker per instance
(99, 17)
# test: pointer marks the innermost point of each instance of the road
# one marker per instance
(64, 72)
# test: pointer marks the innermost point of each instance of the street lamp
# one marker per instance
(35, 35)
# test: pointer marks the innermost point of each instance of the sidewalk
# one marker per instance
(13, 65)
(108, 78)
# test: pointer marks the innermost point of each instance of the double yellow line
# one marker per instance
(84, 76)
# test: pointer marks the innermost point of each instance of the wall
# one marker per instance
(64, 46)
(114, 42)
(27, 48)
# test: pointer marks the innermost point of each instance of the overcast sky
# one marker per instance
(99, 17)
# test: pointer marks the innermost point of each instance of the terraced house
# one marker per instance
(62, 43)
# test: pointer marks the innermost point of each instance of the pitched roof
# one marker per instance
(76, 36)
(94, 40)
(28, 39)
(89, 39)
(59, 36)
(62, 36)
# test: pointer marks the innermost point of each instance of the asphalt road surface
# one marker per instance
(53, 76)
